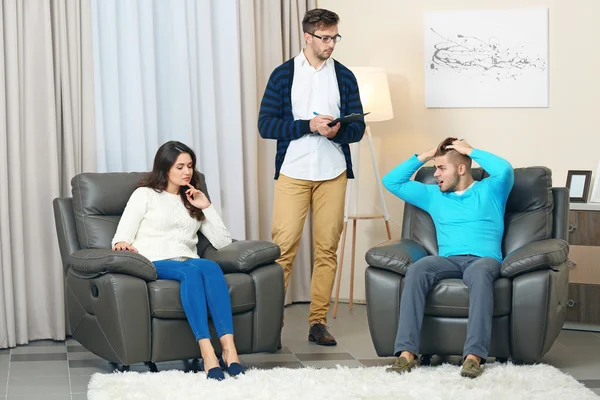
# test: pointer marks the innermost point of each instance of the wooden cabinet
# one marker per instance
(584, 227)
(583, 305)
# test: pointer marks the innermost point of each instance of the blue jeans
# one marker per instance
(202, 283)
(478, 273)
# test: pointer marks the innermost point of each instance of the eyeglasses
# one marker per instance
(327, 39)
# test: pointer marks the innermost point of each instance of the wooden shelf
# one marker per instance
(585, 206)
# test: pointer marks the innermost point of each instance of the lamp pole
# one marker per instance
(374, 90)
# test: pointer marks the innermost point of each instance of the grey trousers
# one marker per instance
(478, 273)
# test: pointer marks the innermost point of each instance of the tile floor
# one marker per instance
(61, 370)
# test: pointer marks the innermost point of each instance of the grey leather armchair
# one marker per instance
(529, 298)
(116, 307)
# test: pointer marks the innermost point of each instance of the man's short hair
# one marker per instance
(318, 18)
(454, 156)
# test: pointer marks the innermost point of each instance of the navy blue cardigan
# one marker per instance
(276, 121)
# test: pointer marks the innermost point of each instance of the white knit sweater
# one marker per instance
(160, 227)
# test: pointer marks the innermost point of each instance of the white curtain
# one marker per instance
(195, 71)
(270, 33)
(170, 70)
(46, 122)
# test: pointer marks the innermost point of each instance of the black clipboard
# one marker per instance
(347, 119)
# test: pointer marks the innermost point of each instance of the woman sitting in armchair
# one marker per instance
(161, 221)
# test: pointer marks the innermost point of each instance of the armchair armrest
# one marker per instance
(395, 255)
(535, 256)
(95, 262)
(243, 255)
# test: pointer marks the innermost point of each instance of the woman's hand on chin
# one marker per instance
(197, 198)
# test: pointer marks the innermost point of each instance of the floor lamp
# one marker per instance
(375, 98)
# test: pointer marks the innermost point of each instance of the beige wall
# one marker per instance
(389, 34)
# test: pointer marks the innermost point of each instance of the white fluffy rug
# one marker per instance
(442, 382)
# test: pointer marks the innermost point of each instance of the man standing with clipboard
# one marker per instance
(313, 163)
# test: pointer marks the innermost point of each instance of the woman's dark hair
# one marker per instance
(158, 179)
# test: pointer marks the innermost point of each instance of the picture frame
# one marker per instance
(595, 197)
(578, 183)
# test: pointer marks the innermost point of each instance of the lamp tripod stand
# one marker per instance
(353, 189)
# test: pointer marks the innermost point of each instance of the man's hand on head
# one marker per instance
(461, 146)
(428, 155)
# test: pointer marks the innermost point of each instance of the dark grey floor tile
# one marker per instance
(83, 356)
(88, 363)
(38, 349)
(78, 396)
(324, 356)
(4, 351)
(271, 365)
(591, 383)
(46, 343)
(89, 367)
(76, 349)
(38, 357)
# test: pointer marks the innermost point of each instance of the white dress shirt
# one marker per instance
(314, 157)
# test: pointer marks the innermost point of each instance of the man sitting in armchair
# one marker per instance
(469, 221)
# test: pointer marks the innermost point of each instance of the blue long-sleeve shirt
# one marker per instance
(471, 223)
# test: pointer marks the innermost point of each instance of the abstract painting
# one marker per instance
(486, 58)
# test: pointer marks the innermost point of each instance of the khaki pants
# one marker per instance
(326, 199)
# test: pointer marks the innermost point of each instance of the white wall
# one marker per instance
(565, 136)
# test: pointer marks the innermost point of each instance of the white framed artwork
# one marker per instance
(486, 58)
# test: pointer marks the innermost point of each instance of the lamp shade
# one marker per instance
(374, 93)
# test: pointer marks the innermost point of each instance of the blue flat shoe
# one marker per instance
(215, 373)
(234, 369)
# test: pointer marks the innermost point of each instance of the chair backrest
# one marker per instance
(98, 202)
(534, 211)
(89, 219)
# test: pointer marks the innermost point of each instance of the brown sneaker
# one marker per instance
(318, 333)
(402, 365)
(471, 369)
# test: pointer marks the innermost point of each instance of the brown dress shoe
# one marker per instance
(318, 333)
